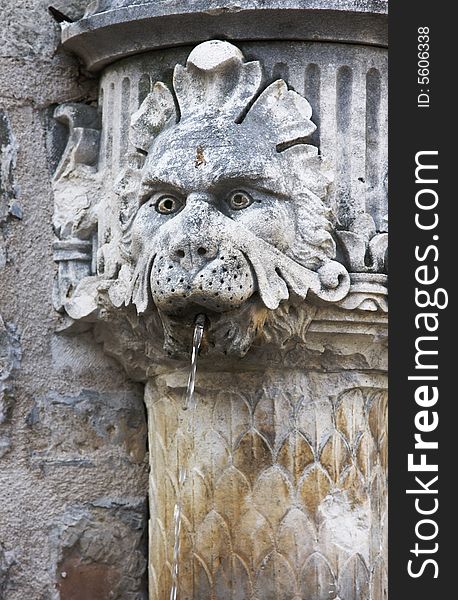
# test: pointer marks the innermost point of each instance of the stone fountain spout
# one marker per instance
(210, 224)
(222, 211)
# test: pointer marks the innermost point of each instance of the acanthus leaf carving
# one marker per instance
(75, 185)
(365, 249)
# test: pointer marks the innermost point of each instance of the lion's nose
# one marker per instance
(181, 253)
(194, 252)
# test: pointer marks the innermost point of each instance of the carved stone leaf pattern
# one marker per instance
(317, 580)
(354, 579)
(335, 456)
(283, 499)
(165, 582)
(366, 455)
(273, 417)
(313, 489)
(383, 450)
(253, 536)
(379, 526)
(343, 529)
(353, 483)
(252, 448)
(273, 506)
(379, 582)
(231, 487)
(231, 417)
(232, 580)
(196, 486)
(217, 456)
(378, 416)
(158, 554)
(315, 422)
(350, 415)
(194, 573)
(295, 455)
(275, 579)
(296, 538)
(187, 564)
(202, 582)
(213, 542)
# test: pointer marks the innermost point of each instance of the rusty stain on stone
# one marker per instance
(86, 581)
(200, 158)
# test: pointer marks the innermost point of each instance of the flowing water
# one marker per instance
(199, 325)
(189, 405)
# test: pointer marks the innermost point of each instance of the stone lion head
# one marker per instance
(223, 209)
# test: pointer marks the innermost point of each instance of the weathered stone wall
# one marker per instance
(73, 472)
(309, 431)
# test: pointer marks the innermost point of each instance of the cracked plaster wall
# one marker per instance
(72, 427)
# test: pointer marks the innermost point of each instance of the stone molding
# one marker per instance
(112, 30)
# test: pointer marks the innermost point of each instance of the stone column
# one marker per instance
(246, 182)
(286, 492)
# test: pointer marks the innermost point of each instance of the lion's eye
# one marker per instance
(167, 205)
(239, 200)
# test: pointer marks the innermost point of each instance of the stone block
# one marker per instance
(85, 428)
(99, 551)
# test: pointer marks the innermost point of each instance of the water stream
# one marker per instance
(189, 405)
(199, 325)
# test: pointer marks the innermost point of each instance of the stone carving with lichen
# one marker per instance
(222, 207)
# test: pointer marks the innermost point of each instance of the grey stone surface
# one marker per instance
(91, 541)
(303, 413)
(6, 561)
(10, 356)
(111, 31)
(219, 203)
(95, 421)
(8, 191)
(43, 373)
(339, 81)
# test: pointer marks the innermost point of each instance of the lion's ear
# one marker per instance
(283, 114)
(156, 111)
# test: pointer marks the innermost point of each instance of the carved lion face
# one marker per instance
(226, 216)
(200, 189)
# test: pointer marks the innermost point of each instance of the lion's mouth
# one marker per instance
(223, 284)
(231, 332)
(186, 314)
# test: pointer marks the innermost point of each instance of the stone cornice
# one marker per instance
(130, 28)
